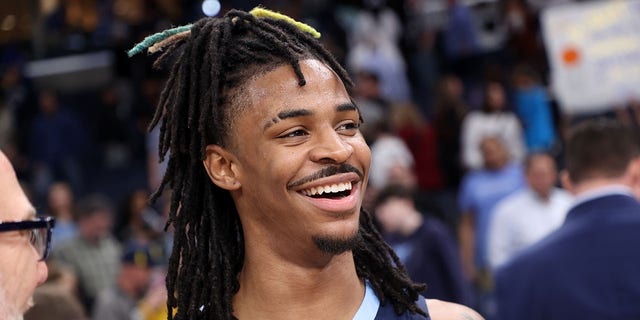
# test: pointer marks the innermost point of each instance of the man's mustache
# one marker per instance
(327, 172)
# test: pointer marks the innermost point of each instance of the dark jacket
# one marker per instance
(587, 269)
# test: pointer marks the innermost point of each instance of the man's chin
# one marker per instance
(336, 245)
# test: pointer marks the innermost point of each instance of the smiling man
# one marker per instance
(24, 244)
(268, 170)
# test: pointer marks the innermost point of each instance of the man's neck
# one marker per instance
(276, 288)
(497, 167)
(596, 188)
(544, 197)
(595, 185)
(8, 311)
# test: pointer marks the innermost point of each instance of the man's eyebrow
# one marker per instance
(286, 115)
(305, 112)
(294, 113)
(346, 107)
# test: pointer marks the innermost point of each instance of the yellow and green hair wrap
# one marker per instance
(258, 12)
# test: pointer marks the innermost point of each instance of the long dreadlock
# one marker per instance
(215, 58)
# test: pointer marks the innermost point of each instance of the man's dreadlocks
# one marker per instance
(216, 57)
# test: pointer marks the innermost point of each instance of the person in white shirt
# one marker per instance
(390, 156)
(495, 119)
(528, 215)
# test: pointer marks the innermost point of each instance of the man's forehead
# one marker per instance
(14, 204)
(16, 208)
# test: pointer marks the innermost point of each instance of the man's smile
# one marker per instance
(341, 190)
(327, 172)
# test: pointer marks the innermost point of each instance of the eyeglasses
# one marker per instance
(40, 236)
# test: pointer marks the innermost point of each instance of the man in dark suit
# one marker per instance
(590, 267)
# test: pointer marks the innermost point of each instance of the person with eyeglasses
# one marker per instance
(24, 245)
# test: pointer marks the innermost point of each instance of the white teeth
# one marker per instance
(334, 188)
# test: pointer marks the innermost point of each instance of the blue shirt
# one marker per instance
(480, 191)
(535, 112)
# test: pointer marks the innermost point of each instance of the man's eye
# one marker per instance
(296, 133)
(349, 126)
(30, 234)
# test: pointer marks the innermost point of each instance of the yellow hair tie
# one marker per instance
(265, 13)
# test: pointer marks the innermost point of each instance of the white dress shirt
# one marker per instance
(522, 219)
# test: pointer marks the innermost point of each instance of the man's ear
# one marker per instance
(221, 167)
(634, 176)
(565, 181)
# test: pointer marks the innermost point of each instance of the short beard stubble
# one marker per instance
(336, 246)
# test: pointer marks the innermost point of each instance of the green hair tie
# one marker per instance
(259, 12)
(155, 38)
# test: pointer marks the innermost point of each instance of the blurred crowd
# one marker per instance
(463, 130)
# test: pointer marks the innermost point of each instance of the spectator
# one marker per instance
(588, 268)
(449, 113)
(119, 302)
(527, 216)
(421, 138)
(424, 245)
(534, 110)
(480, 191)
(58, 298)
(140, 224)
(60, 204)
(460, 39)
(493, 120)
(523, 38)
(424, 71)
(53, 303)
(373, 46)
(55, 145)
(389, 155)
(93, 255)
(137, 220)
(153, 306)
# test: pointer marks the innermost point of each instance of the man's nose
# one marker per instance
(331, 148)
(42, 272)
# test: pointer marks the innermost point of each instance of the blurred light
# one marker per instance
(8, 23)
(211, 7)
(69, 64)
(48, 6)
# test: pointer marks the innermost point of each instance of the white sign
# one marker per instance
(594, 52)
